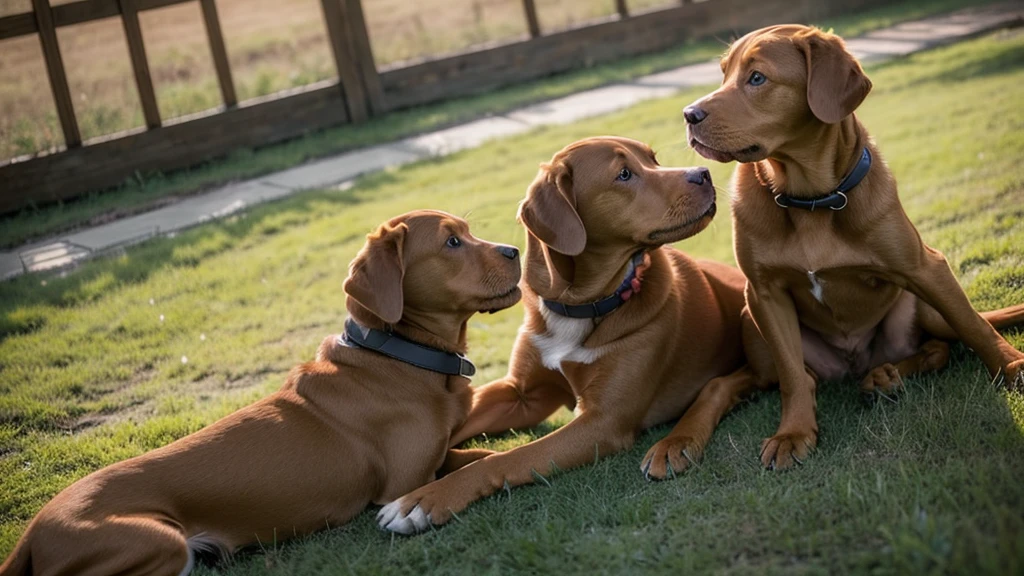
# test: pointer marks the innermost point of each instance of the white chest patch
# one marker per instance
(563, 340)
(817, 287)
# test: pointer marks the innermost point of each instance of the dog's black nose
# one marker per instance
(510, 252)
(698, 176)
(694, 114)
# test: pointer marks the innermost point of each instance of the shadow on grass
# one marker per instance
(928, 483)
(22, 299)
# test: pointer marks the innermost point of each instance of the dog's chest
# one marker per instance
(563, 341)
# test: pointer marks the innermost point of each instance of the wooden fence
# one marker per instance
(360, 91)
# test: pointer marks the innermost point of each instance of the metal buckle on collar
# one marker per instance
(780, 204)
(466, 368)
(845, 202)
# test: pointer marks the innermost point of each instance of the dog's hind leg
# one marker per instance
(127, 545)
(887, 379)
(898, 350)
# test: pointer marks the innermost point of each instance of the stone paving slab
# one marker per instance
(69, 249)
(10, 265)
(587, 104)
(909, 37)
(703, 74)
(329, 171)
(464, 136)
(217, 204)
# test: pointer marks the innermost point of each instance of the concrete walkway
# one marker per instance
(70, 249)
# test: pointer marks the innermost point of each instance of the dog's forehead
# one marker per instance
(604, 150)
(432, 222)
(768, 43)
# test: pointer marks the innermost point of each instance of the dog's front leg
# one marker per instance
(527, 395)
(456, 459)
(579, 442)
(933, 281)
(774, 313)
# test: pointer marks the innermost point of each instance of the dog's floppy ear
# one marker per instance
(549, 212)
(375, 276)
(836, 83)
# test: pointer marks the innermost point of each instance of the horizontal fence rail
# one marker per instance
(361, 91)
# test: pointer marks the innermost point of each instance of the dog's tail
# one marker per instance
(19, 563)
(934, 324)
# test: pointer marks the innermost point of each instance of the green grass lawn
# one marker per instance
(127, 354)
(146, 191)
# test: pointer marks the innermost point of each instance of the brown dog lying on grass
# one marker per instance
(364, 423)
(839, 279)
(597, 219)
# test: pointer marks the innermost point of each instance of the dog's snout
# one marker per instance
(699, 176)
(510, 252)
(694, 114)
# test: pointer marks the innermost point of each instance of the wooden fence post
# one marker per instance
(621, 8)
(531, 18)
(362, 54)
(348, 73)
(219, 52)
(55, 70)
(140, 65)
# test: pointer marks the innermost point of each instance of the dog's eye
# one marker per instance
(625, 174)
(453, 242)
(756, 78)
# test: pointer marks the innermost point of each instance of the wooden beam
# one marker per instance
(142, 5)
(362, 52)
(102, 164)
(74, 13)
(621, 8)
(140, 65)
(81, 12)
(55, 70)
(348, 72)
(219, 52)
(531, 18)
(17, 25)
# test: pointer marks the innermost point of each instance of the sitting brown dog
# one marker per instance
(368, 421)
(839, 278)
(623, 329)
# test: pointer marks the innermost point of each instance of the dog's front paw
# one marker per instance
(670, 456)
(782, 450)
(431, 505)
(391, 517)
(1014, 376)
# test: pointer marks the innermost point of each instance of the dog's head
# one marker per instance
(781, 83)
(609, 194)
(428, 265)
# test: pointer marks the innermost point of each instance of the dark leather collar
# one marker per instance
(603, 306)
(399, 348)
(837, 199)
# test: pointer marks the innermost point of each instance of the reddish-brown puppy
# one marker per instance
(354, 427)
(843, 285)
(590, 215)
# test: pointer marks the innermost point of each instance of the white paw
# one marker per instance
(391, 518)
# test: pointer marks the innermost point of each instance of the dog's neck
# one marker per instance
(816, 161)
(594, 274)
(443, 331)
